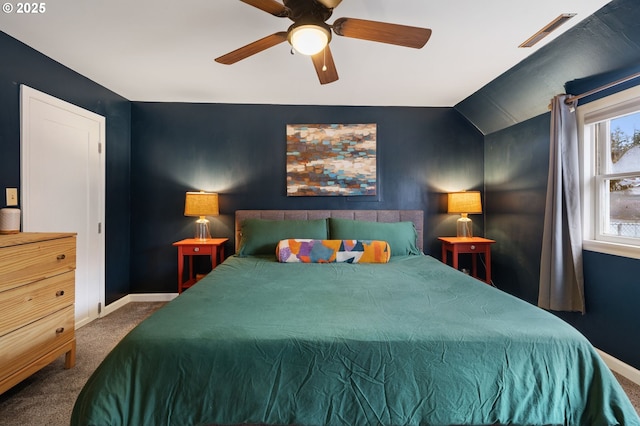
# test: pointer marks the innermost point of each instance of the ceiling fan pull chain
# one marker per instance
(324, 58)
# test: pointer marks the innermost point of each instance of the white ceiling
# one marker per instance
(159, 50)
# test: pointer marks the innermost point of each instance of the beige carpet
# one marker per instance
(47, 397)
(632, 390)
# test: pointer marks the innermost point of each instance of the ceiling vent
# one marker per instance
(551, 26)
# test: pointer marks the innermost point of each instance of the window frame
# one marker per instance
(592, 192)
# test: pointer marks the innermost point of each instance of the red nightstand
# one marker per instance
(473, 245)
(213, 247)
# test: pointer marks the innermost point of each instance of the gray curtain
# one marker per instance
(561, 274)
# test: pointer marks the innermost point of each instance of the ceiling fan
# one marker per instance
(310, 34)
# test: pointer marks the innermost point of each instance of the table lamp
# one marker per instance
(464, 203)
(201, 204)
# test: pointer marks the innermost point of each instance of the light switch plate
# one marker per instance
(12, 196)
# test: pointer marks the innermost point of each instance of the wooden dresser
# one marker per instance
(37, 296)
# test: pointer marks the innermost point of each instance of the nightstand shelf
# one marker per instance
(473, 245)
(212, 247)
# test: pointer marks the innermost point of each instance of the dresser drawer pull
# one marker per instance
(473, 247)
(61, 257)
(196, 249)
(59, 293)
(60, 330)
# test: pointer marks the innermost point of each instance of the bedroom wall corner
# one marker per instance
(29, 67)
(516, 183)
(516, 170)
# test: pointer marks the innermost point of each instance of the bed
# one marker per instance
(400, 341)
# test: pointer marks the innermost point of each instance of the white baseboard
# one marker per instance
(153, 297)
(132, 298)
(620, 367)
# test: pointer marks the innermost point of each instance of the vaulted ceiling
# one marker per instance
(602, 48)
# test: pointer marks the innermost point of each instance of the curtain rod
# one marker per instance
(572, 99)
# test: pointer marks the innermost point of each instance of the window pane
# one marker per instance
(624, 207)
(611, 173)
(625, 143)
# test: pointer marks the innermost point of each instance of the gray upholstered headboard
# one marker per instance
(415, 216)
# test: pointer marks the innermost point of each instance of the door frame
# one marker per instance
(27, 94)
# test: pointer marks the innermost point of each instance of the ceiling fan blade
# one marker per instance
(269, 6)
(253, 48)
(331, 4)
(325, 67)
(401, 35)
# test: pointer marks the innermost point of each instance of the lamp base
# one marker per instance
(464, 227)
(202, 229)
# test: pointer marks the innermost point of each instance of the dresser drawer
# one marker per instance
(31, 342)
(23, 305)
(35, 261)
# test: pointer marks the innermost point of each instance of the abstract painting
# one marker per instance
(331, 159)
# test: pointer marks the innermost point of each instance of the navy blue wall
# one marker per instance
(516, 166)
(612, 296)
(22, 65)
(611, 282)
(512, 112)
(239, 151)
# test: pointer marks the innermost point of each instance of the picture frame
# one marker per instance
(332, 160)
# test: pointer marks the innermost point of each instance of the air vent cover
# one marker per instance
(551, 26)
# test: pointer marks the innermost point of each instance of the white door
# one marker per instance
(62, 186)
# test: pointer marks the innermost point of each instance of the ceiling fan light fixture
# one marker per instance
(309, 39)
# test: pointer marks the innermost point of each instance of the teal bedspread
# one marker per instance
(410, 342)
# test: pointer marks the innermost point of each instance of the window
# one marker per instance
(610, 143)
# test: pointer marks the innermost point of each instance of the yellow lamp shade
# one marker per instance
(464, 203)
(201, 204)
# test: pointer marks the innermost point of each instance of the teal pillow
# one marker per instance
(261, 236)
(401, 236)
